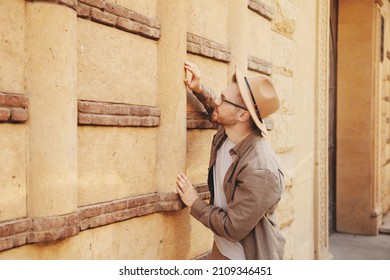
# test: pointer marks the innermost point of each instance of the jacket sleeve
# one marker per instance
(256, 192)
(206, 98)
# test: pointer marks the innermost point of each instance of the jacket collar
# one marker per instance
(246, 143)
(236, 151)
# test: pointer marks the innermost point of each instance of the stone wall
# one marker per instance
(96, 122)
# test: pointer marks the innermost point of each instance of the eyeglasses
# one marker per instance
(222, 99)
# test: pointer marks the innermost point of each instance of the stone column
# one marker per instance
(321, 172)
(50, 73)
(357, 130)
(171, 135)
(237, 38)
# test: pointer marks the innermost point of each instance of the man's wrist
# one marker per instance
(199, 91)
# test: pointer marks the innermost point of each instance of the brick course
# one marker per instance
(117, 114)
(259, 65)
(69, 3)
(19, 232)
(198, 120)
(207, 48)
(116, 16)
(261, 9)
(13, 108)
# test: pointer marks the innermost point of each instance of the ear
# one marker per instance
(244, 116)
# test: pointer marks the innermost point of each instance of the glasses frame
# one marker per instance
(223, 99)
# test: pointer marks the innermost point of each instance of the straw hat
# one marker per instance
(259, 96)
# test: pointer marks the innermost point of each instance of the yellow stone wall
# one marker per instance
(362, 189)
(60, 167)
(13, 142)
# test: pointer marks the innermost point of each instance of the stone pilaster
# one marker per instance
(50, 73)
(172, 133)
(238, 36)
(321, 201)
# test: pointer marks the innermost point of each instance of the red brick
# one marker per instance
(135, 110)
(190, 37)
(20, 239)
(115, 206)
(15, 226)
(117, 10)
(4, 230)
(36, 237)
(67, 232)
(142, 200)
(24, 101)
(156, 33)
(139, 18)
(149, 32)
(104, 120)
(206, 51)
(84, 225)
(124, 121)
(46, 223)
(84, 118)
(117, 109)
(101, 220)
(136, 121)
(6, 243)
(150, 121)
(91, 107)
(5, 114)
(19, 114)
(156, 23)
(126, 25)
(10, 100)
(73, 219)
(193, 48)
(69, 3)
(103, 17)
(23, 225)
(156, 112)
(90, 211)
(83, 10)
(95, 3)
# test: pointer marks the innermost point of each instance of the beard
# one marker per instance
(223, 120)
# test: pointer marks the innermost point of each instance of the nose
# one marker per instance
(218, 101)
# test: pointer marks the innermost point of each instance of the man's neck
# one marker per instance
(237, 133)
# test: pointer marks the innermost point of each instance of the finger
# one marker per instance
(186, 180)
(181, 177)
(182, 180)
(179, 190)
(179, 184)
(195, 72)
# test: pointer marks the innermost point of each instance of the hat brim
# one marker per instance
(246, 97)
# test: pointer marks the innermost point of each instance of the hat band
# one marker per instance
(253, 99)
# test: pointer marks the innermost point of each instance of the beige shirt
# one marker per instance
(231, 250)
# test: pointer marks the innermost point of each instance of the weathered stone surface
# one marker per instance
(284, 18)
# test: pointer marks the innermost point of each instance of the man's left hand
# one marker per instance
(185, 189)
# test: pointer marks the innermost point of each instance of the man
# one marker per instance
(245, 179)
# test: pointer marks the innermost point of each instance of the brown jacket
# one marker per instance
(253, 186)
